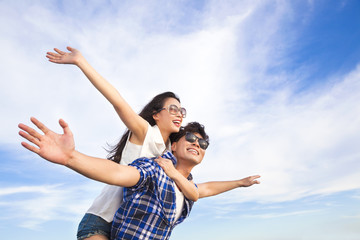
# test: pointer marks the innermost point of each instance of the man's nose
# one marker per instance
(196, 143)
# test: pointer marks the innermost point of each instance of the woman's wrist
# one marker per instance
(72, 158)
(80, 61)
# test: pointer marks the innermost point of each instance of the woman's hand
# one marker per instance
(72, 57)
(168, 167)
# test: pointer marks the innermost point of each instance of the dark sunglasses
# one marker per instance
(173, 109)
(190, 137)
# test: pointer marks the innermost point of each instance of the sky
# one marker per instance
(275, 82)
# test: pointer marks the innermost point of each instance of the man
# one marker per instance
(151, 206)
(151, 209)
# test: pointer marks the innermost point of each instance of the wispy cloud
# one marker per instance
(278, 215)
(296, 142)
(232, 66)
(31, 206)
(27, 189)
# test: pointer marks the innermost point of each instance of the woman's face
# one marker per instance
(167, 120)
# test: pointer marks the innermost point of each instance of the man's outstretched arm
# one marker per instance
(209, 189)
(60, 149)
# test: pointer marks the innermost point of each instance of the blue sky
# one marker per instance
(276, 83)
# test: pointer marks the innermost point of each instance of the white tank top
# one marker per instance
(109, 200)
(179, 202)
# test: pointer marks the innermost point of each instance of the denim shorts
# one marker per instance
(92, 225)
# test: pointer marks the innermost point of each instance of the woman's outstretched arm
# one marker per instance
(136, 124)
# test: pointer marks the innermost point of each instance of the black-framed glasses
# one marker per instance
(173, 109)
(190, 137)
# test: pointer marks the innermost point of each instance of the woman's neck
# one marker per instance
(165, 136)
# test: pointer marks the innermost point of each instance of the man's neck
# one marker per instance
(184, 169)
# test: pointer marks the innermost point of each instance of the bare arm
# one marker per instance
(60, 149)
(209, 189)
(136, 124)
(187, 187)
(103, 170)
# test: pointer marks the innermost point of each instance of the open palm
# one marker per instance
(72, 57)
(54, 147)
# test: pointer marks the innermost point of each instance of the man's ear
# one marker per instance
(173, 146)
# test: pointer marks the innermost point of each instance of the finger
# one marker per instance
(29, 138)
(40, 125)
(70, 48)
(59, 51)
(30, 130)
(158, 161)
(160, 164)
(30, 147)
(51, 55)
(65, 127)
(55, 61)
(163, 161)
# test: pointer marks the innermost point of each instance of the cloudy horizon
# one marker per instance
(276, 84)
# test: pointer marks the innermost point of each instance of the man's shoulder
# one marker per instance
(149, 171)
(146, 160)
(142, 160)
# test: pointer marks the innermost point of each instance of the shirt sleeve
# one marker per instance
(147, 169)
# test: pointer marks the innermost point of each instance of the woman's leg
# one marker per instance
(93, 227)
(97, 237)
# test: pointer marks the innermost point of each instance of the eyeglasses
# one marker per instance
(190, 137)
(173, 109)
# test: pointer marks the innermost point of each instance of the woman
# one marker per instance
(147, 136)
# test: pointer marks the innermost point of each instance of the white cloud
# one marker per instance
(301, 143)
(31, 206)
(277, 215)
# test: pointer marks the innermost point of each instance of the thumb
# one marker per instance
(65, 127)
(70, 48)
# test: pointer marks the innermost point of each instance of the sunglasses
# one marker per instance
(173, 109)
(190, 137)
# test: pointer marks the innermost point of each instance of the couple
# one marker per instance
(157, 196)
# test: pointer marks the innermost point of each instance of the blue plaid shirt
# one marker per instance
(148, 208)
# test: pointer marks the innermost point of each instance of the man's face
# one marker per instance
(188, 152)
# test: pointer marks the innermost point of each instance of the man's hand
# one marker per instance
(249, 181)
(72, 57)
(56, 148)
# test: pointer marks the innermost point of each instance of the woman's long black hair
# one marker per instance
(146, 113)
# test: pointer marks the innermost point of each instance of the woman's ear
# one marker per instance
(156, 117)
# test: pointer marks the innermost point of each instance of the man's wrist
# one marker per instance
(240, 183)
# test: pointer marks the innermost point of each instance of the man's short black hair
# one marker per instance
(193, 127)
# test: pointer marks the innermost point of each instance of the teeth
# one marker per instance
(177, 123)
(193, 150)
